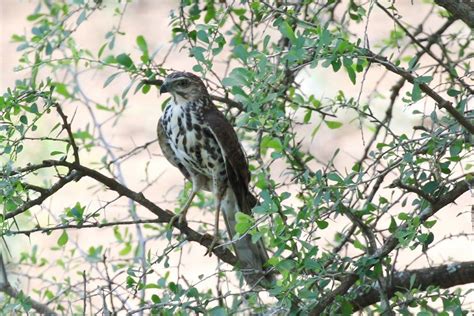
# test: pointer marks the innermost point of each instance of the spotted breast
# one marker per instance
(191, 140)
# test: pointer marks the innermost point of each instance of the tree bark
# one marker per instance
(444, 276)
(462, 9)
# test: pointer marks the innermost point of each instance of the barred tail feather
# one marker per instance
(252, 256)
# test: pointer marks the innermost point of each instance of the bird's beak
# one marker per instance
(164, 88)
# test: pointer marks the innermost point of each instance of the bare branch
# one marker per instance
(81, 226)
(67, 127)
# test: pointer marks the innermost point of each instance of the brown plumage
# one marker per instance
(197, 139)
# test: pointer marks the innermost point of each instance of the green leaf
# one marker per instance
(346, 308)
(416, 92)
(334, 177)
(24, 119)
(453, 92)
(351, 73)
(244, 222)
(142, 44)
(322, 224)
(77, 211)
(126, 250)
(198, 53)
(33, 17)
(101, 50)
(155, 299)
(218, 311)
(62, 240)
(287, 31)
(34, 108)
(202, 35)
(430, 187)
(117, 234)
(146, 88)
(61, 88)
(429, 224)
(393, 225)
(231, 81)
(241, 52)
(271, 142)
(82, 17)
(424, 79)
(124, 60)
(412, 64)
(455, 148)
(336, 64)
(110, 79)
(210, 12)
(333, 124)
(358, 244)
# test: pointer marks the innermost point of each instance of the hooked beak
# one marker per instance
(164, 88)
(158, 82)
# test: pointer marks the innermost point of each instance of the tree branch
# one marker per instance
(459, 9)
(47, 230)
(444, 276)
(426, 49)
(6, 288)
(163, 215)
(44, 195)
(392, 242)
(442, 103)
(67, 127)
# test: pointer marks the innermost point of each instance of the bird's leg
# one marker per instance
(216, 228)
(184, 210)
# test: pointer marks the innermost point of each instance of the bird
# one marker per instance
(196, 138)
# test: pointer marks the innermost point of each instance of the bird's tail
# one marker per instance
(252, 256)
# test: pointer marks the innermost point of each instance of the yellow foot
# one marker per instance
(211, 246)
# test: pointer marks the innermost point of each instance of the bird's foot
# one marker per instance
(181, 218)
(211, 246)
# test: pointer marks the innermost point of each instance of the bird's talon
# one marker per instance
(211, 246)
(182, 219)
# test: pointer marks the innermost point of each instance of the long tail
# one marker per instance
(252, 256)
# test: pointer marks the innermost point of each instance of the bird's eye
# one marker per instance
(183, 83)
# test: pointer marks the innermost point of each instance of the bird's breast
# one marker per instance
(192, 141)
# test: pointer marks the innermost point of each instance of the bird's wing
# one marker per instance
(236, 163)
(168, 151)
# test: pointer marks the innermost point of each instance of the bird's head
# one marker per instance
(184, 86)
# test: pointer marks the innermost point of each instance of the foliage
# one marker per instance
(380, 204)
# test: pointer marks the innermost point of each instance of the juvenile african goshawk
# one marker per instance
(196, 138)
